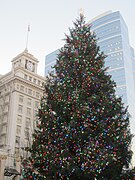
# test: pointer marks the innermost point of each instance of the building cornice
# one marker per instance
(12, 75)
(26, 54)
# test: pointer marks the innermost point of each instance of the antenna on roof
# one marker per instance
(28, 30)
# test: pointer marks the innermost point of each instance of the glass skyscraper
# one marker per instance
(50, 61)
(113, 39)
(112, 34)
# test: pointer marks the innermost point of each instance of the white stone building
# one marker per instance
(20, 93)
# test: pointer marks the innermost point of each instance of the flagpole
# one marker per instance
(28, 30)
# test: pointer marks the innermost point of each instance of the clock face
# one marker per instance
(30, 66)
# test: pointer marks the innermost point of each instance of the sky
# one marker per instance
(49, 21)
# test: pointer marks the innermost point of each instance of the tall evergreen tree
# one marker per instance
(83, 127)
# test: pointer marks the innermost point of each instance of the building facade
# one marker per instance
(20, 93)
(113, 39)
(112, 34)
(50, 61)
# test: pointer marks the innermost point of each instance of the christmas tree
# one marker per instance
(83, 127)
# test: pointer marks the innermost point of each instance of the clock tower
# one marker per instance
(21, 90)
(26, 61)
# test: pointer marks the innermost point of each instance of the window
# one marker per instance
(18, 130)
(25, 76)
(7, 98)
(27, 133)
(17, 86)
(22, 88)
(3, 139)
(4, 129)
(30, 91)
(34, 80)
(29, 102)
(19, 119)
(17, 151)
(25, 144)
(6, 108)
(37, 94)
(36, 104)
(30, 78)
(20, 108)
(28, 112)
(21, 99)
(17, 140)
(38, 82)
(5, 118)
(27, 123)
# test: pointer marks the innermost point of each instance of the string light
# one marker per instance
(83, 126)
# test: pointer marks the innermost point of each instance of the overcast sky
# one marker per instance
(49, 20)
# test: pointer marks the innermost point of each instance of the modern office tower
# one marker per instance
(133, 61)
(20, 92)
(112, 34)
(113, 39)
(50, 61)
